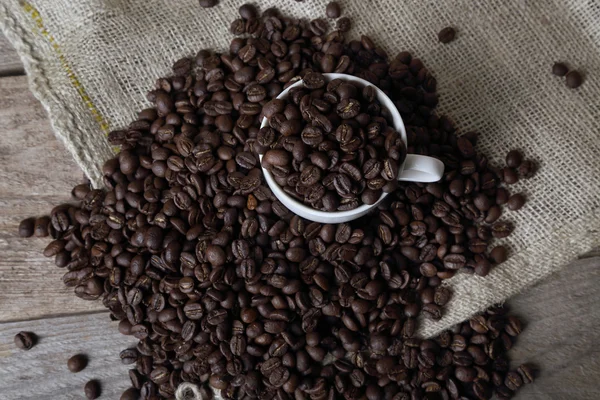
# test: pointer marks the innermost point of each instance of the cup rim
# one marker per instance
(326, 215)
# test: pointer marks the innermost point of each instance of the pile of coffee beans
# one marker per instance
(330, 144)
(194, 256)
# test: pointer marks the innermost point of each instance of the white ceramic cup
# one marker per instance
(415, 168)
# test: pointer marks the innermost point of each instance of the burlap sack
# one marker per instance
(90, 62)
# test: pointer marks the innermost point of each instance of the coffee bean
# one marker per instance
(77, 363)
(513, 326)
(527, 169)
(128, 356)
(92, 389)
(442, 296)
(41, 227)
(247, 11)
(25, 340)
(526, 372)
(343, 24)
(446, 35)
(513, 381)
(574, 79)
(333, 10)
(26, 227)
(206, 4)
(499, 254)
(130, 394)
(516, 202)
(465, 374)
(501, 229)
(559, 69)
(455, 261)
(514, 158)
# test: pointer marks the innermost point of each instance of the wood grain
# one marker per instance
(41, 373)
(10, 64)
(36, 173)
(562, 334)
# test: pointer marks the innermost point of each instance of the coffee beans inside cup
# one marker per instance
(330, 145)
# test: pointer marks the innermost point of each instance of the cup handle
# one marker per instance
(418, 168)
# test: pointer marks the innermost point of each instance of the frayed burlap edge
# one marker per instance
(61, 117)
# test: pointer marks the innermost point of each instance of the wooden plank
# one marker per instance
(36, 173)
(41, 373)
(561, 334)
(10, 64)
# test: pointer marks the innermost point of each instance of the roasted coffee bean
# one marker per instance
(131, 393)
(514, 159)
(516, 202)
(526, 372)
(333, 10)
(26, 227)
(208, 3)
(502, 229)
(77, 363)
(510, 176)
(92, 389)
(41, 226)
(559, 69)
(25, 340)
(343, 24)
(499, 254)
(574, 79)
(513, 381)
(247, 11)
(446, 35)
(526, 169)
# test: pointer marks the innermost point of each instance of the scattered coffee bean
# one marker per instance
(514, 159)
(25, 340)
(499, 254)
(248, 11)
(527, 169)
(208, 3)
(559, 69)
(92, 389)
(516, 202)
(133, 393)
(41, 227)
(333, 10)
(526, 372)
(77, 363)
(26, 227)
(446, 35)
(574, 79)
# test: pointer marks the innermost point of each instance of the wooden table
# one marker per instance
(562, 334)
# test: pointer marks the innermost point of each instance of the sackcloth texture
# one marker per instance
(91, 62)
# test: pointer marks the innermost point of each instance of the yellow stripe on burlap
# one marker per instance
(37, 18)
